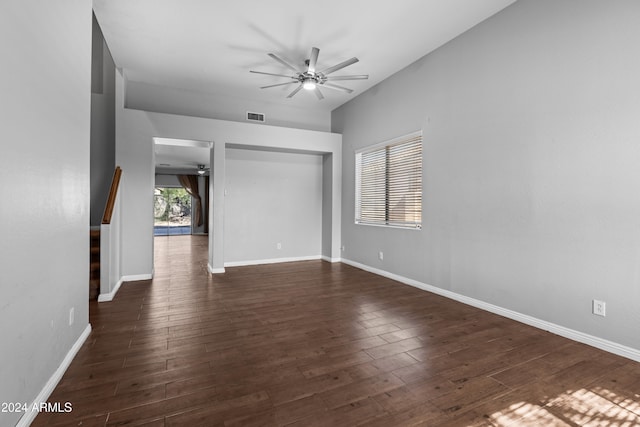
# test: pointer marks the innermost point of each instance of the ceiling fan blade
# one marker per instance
(296, 90)
(336, 87)
(318, 93)
(340, 66)
(272, 74)
(313, 60)
(279, 84)
(356, 77)
(283, 62)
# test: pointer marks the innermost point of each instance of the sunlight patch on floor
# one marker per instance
(602, 408)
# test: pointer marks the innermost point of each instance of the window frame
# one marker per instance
(382, 152)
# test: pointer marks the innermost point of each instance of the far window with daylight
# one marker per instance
(389, 183)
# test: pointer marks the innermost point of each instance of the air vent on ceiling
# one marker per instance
(255, 117)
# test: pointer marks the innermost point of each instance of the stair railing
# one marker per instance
(110, 243)
(113, 192)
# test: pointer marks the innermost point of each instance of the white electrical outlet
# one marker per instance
(71, 316)
(599, 308)
(380, 256)
(279, 245)
(342, 248)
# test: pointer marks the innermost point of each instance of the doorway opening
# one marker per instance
(171, 211)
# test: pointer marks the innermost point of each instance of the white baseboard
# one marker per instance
(270, 261)
(136, 277)
(329, 259)
(48, 388)
(131, 278)
(602, 344)
(112, 294)
(214, 270)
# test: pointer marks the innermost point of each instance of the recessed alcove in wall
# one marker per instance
(273, 205)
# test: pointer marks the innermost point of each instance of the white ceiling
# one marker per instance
(180, 154)
(210, 45)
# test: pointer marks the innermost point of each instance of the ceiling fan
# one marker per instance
(310, 79)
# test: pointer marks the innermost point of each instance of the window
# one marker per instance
(389, 183)
(171, 211)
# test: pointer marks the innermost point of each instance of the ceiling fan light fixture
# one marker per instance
(311, 80)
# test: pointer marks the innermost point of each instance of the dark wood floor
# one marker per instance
(318, 344)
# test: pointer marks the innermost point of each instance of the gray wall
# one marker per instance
(165, 180)
(44, 168)
(531, 164)
(103, 123)
(272, 197)
(160, 99)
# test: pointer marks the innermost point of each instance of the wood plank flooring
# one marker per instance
(315, 344)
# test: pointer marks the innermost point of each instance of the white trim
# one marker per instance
(181, 142)
(111, 295)
(132, 278)
(401, 227)
(136, 277)
(214, 270)
(48, 388)
(271, 261)
(329, 259)
(601, 343)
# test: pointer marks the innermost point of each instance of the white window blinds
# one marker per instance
(389, 183)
